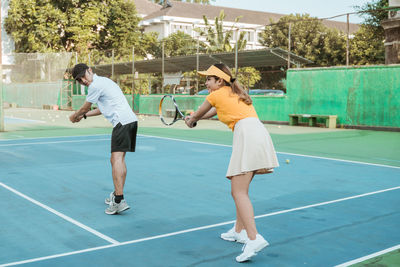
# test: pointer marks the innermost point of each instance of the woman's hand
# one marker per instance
(189, 121)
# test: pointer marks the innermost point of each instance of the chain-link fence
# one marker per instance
(34, 80)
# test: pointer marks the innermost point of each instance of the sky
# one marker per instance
(316, 8)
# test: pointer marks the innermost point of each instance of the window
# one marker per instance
(181, 27)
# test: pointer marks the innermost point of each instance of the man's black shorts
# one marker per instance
(123, 137)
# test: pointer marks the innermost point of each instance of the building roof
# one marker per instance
(196, 11)
(248, 58)
(146, 7)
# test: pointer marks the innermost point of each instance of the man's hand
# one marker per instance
(73, 118)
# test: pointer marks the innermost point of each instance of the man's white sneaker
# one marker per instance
(115, 208)
(110, 198)
(251, 248)
(233, 236)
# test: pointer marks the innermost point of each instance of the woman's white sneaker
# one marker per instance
(251, 248)
(233, 236)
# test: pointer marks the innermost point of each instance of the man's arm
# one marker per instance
(93, 112)
(78, 115)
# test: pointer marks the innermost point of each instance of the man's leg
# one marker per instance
(118, 172)
(117, 203)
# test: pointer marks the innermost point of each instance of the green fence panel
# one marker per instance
(270, 108)
(360, 96)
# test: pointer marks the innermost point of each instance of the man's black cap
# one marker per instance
(79, 70)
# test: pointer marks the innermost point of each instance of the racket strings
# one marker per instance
(168, 110)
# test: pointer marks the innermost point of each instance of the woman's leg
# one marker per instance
(244, 208)
(239, 226)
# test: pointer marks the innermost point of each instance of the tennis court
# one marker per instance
(336, 201)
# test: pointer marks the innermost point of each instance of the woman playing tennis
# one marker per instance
(252, 150)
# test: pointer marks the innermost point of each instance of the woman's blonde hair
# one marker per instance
(237, 88)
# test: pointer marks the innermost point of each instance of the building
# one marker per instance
(392, 34)
(182, 16)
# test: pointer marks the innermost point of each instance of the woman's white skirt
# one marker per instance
(252, 149)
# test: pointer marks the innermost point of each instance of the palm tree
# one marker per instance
(219, 40)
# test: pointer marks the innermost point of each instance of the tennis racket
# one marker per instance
(169, 111)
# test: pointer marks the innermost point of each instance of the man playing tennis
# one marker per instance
(113, 105)
(252, 151)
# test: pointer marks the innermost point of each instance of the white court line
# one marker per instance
(65, 217)
(285, 153)
(192, 229)
(341, 160)
(53, 137)
(22, 120)
(370, 256)
(205, 143)
(55, 142)
(328, 202)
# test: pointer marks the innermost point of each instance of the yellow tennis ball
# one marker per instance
(287, 161)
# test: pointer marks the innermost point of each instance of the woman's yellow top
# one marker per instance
(229, 109)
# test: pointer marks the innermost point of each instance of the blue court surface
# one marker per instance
(314, 211)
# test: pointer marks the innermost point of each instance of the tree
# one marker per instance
(372, 14)
(177, 44)
(219, 40)
(309, 39)
(35, 28)
(367, 46)
(80, 26)
(248, 76)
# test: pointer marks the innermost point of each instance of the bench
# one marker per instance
(330, 120)
(171, 112)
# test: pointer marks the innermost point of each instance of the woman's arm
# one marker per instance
(203, 110)
(211, 113)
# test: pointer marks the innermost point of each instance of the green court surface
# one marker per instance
(385, 260)
(376, 147)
